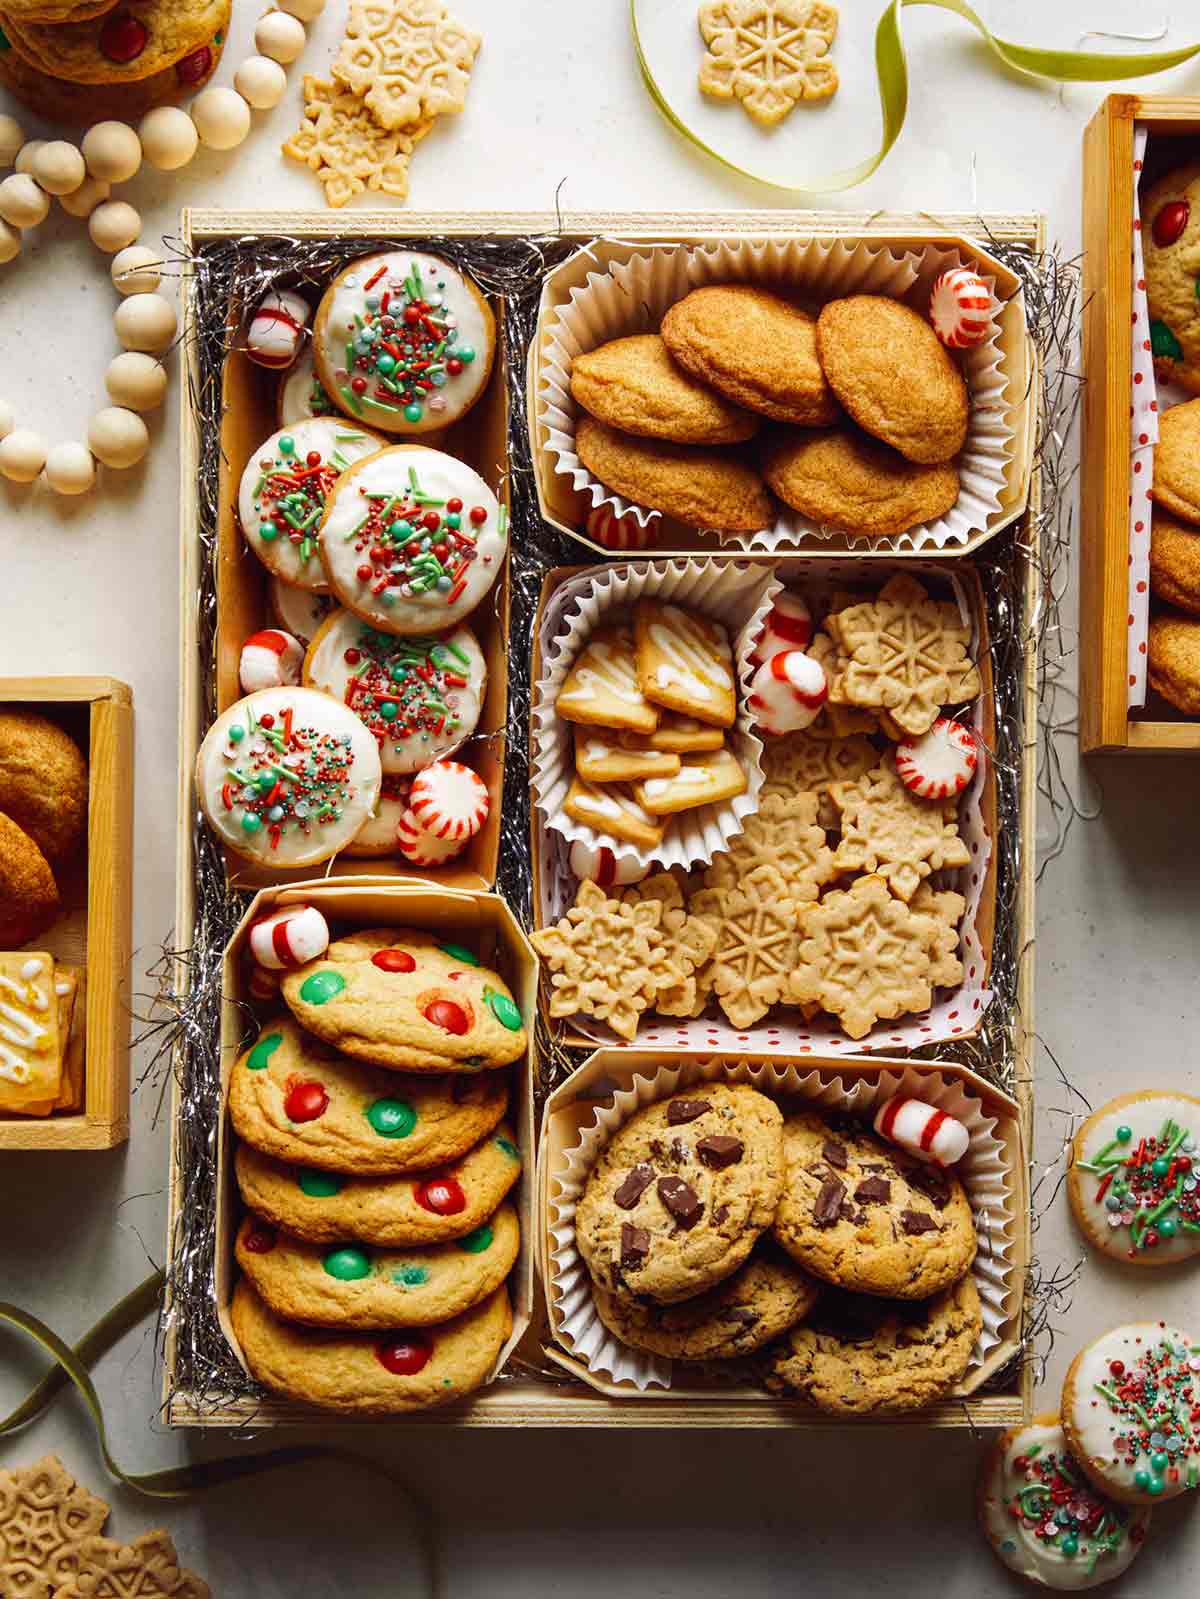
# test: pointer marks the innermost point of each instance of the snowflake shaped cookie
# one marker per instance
(783, 833)
(888, 829)
(407, 59)
(768, 54)
(690, 941)
(800, 761)
(757, 944)
(44, 1518)
(347, 149)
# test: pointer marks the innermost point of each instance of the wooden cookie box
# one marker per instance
(567, 508)
(94, 929)
(1106, 725)
(482, 921)
(571, 1108)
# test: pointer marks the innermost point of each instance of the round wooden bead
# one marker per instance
(7, 420)
(27, 155)
(117, 437)
(145, 322)
(22, 202)
(10, 242)
(169, 138)
(58, 167)
(113, 225)
(84, 200)
(112, 151)
(70, 469)
(12, 137)
(22, 455)
(280, 36)
(136, 270)
(136, 381)
(261, 82)
(222, 118)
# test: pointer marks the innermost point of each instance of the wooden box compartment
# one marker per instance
(1106, 724)
(571, 1108)
(481, 920)
(94, 929)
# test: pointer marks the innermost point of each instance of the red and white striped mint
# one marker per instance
(263, 985)
(422, 848)
(290, 937)
(598, 864)
(617, 532)
(960, 308)
(270, 659)
(449, 800)
(930, 1134)
(276, 329)
(788, 627)
(940, 763)
(787, 692)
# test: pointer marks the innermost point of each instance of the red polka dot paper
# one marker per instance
(1143, 436)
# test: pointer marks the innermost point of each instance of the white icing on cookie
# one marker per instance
(298, 611)
(301, 396)
(1145, 1213)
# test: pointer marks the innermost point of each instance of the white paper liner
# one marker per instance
(783, 1030)
(634, 294)
(982, 1171)
(736, 594)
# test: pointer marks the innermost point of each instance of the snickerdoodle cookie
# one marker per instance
(845, 479)
(1174, 661)
(1177, 461)
(701, 487)
(633, 384)
(1175, 562)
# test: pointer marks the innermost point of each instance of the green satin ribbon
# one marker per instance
(175, 1482)
(891, 67)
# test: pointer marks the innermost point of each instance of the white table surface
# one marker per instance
(91, 587)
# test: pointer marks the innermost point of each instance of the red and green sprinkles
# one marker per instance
(413, 543)
(1153, 1189)
(285, 778)
(1157, 1398)
(402, 687)
(405, 346)
(290, 495)
(1059, 1508)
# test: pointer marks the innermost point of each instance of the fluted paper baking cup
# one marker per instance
(982, 1171)
(736, 594)
(634, 295)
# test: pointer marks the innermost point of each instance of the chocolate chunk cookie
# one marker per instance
(859, 1356)
(680, 1196)
(633, 384)
(863, 1215)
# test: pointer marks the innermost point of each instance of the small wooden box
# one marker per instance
(95, 927)
(1105, 723)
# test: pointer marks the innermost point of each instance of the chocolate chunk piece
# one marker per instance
(720, 1151)
(685, 1110)
(930, 1182)
(681, 1200)
(848, 1212)
(835, 1153)
(636, 1182)
(743, 1314)
(680, 1150)
(720, 1214)
(828, 1207)
(635, 1246)
(915, 1222)
(656, 1148)
(873, 1191)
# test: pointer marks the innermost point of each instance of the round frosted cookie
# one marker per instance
(681, 1193)
(1177, 462)
(379, 833)
(426, 1207)
(58, 100)
(634, 385)
(298, 611)
(412, 540)
(1170, 233)
(296, 1099)
(862, 1214)
(400, 997)
(300, 395)
(762, 1299)
(1043, 1518)
(284, 491)
(1175, 562)
(1128, 1409)
(1173, 661)
(421, 697)
(349, 1286)
(1134, 1182)
(404, 341)
(706, 488)
(371, 1374)
(858, 1356)
(122, 46)
(287, 776)
(845, 479)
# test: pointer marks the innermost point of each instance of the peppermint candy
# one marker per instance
(263, 984)
(422, 848)
(276, 329)
(960, 308)
(940, 763)
(598, 864)
(788, 691)
(449, 800)
(288, 938)
(617, 532)
(270, 659)
(930, 1134)
(788, 627)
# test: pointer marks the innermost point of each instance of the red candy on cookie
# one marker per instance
(940, 763)
(960, 308)
(449, 800)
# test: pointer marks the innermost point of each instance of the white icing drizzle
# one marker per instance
(21, 1035)
(690, 663)
(605, 668)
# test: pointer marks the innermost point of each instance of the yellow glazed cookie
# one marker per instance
(31, 1048)
(1171, 251)
(634, 385)
(614, 810)
(685, 663)
(683, 734)
(755, 347)
(1175, 562)
(1177, 462)
(601, 689)
(1173, 663)
(848, 480)
(894, 376)
(425, 1207)
(400, 997)
(704, 488)
(371, 1374)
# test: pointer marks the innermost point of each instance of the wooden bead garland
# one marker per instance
(82, 178)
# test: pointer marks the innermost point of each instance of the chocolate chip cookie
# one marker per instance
(682, 1192)
(859, 1356)
(861, 1214)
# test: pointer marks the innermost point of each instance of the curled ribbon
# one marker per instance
(891, 69)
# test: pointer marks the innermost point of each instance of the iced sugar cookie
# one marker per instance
(412, 540)
(284, 490)
(601, 689)
(301, 396)
(1134, 1183)
(420, 697)
(379, 834)
(287, 776)
(703, 779)
(298, 611)
(404, 342)
(1043, 1518)
(684, 663)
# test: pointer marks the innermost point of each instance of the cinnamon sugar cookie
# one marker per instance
(702, 487)
(633, 384)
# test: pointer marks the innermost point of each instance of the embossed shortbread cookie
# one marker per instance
(783, 833)
(768, 54)
(348, 150)
(146, 1568)
(757, 944)
(888, 829)
(45, 1517)
(690, 941)
(802, 761)
(406, 59)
